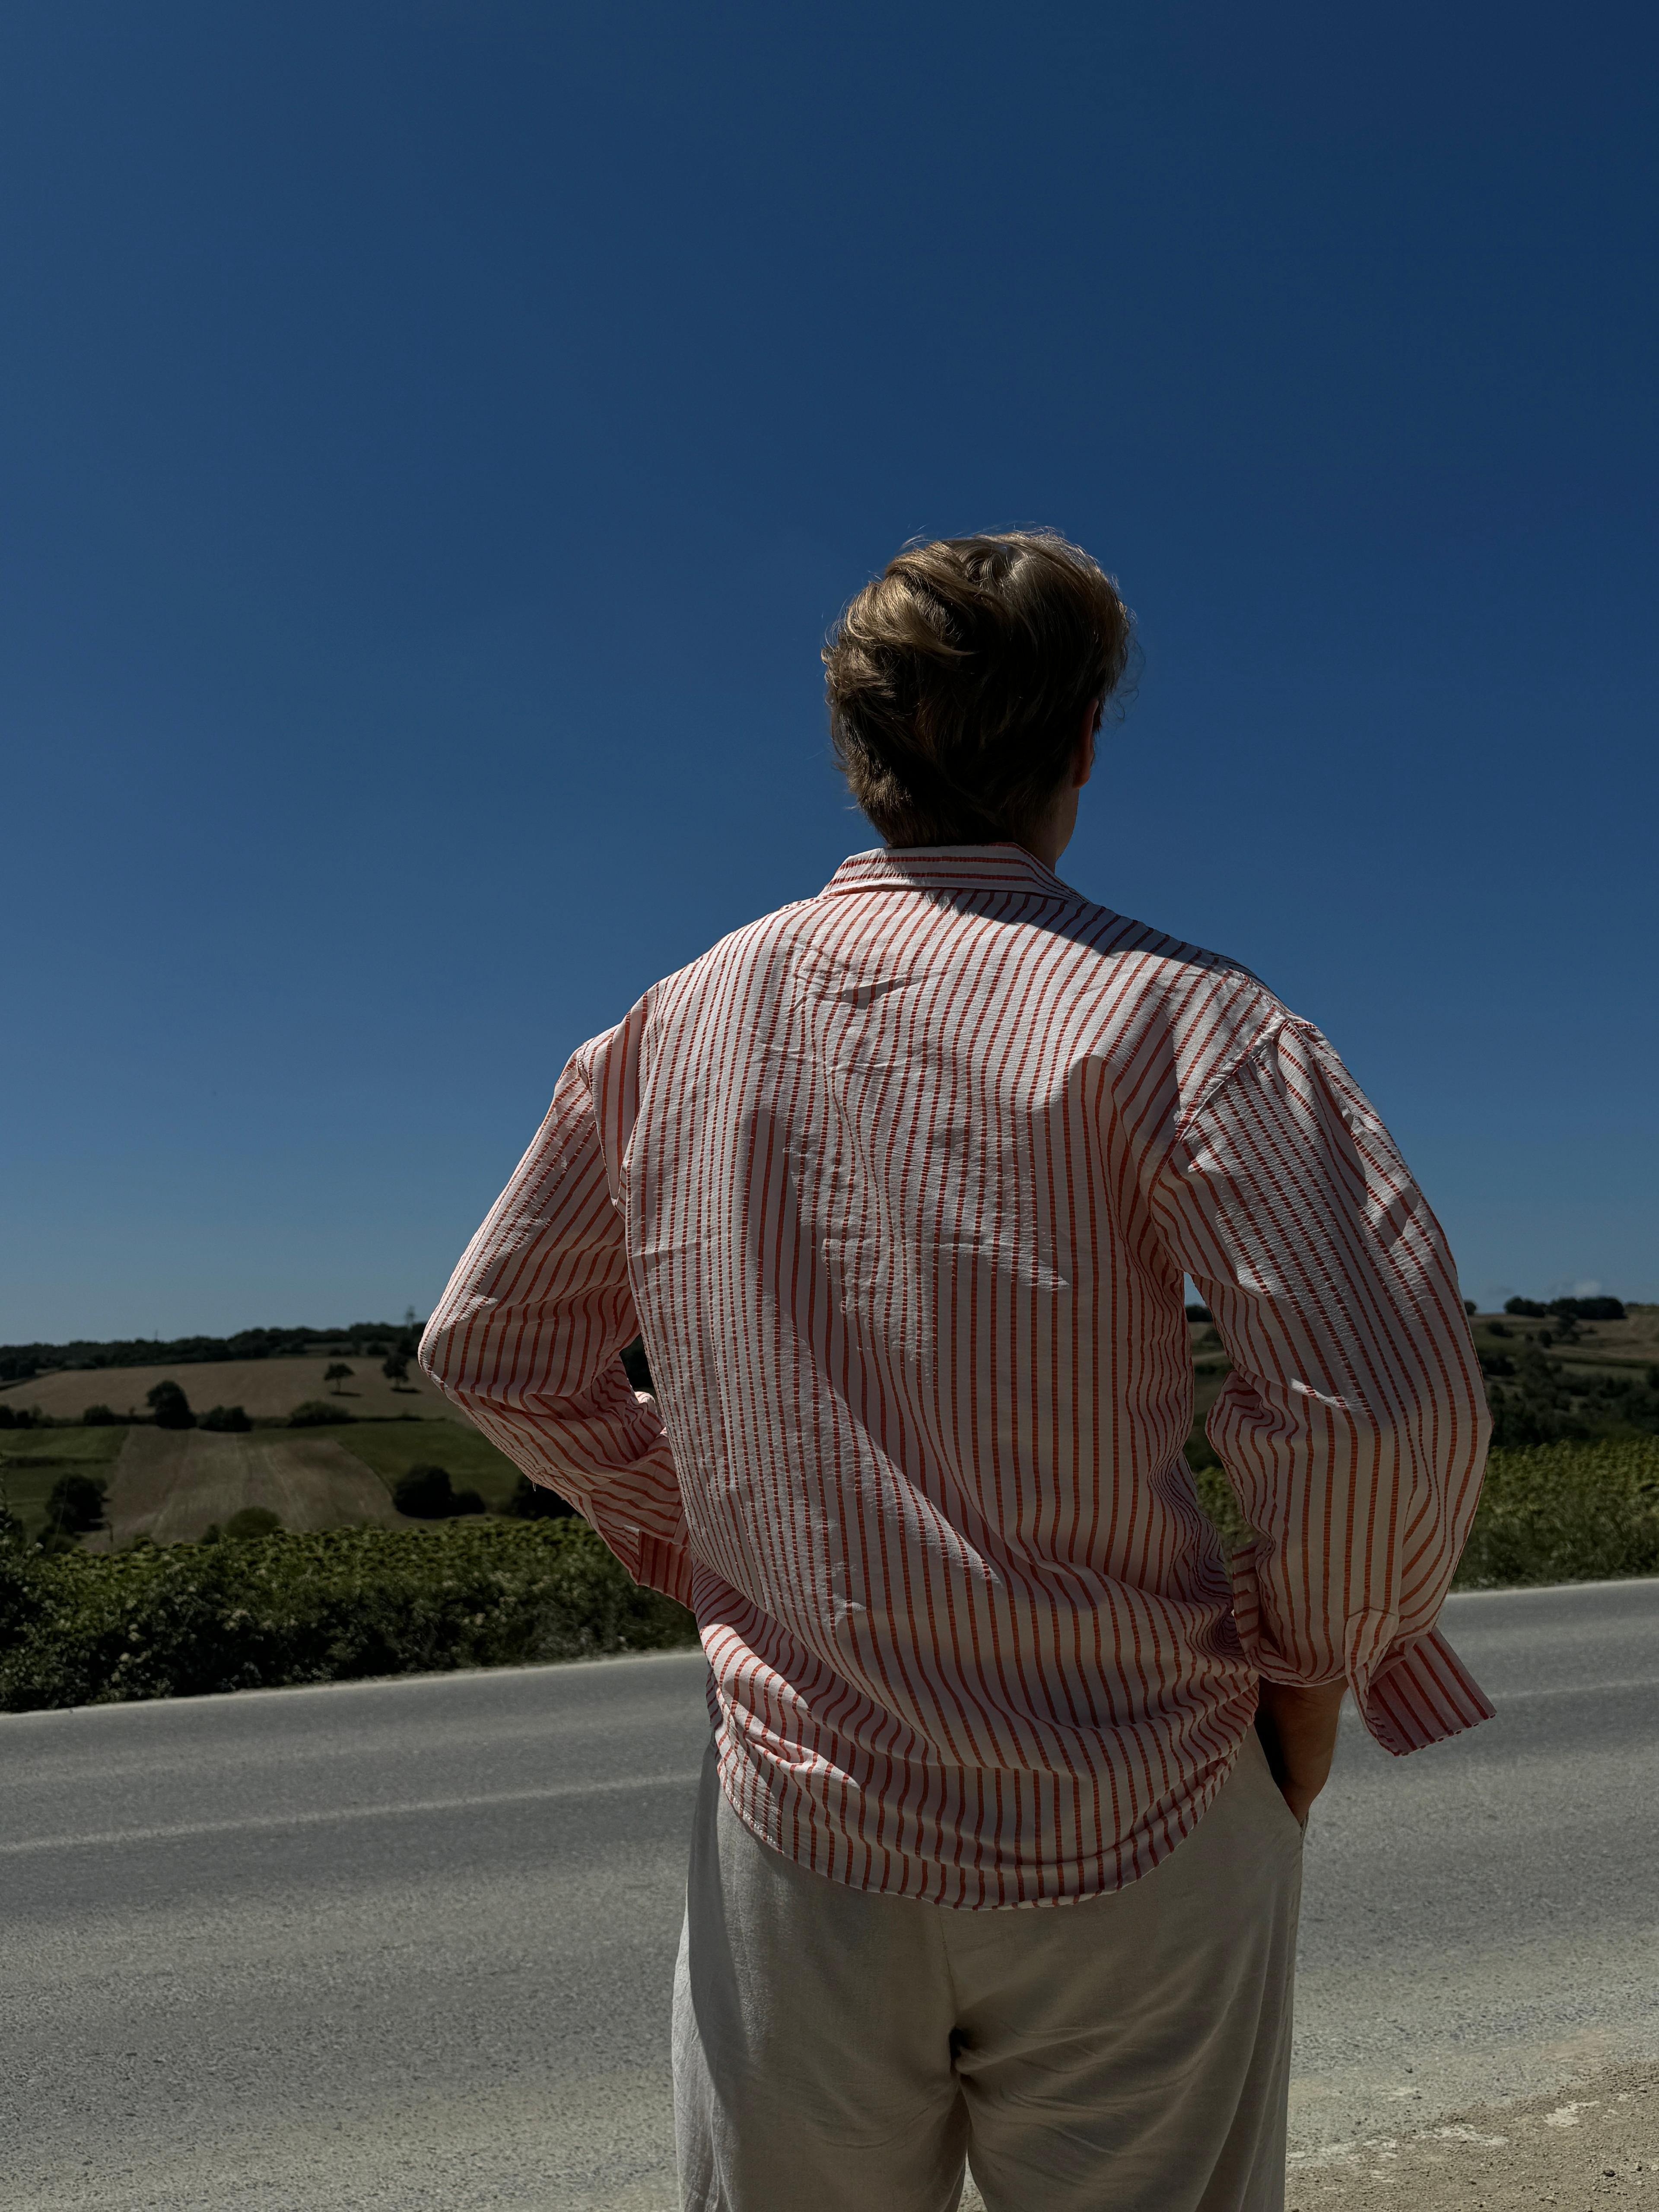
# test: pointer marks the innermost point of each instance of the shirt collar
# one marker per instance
(948, 867)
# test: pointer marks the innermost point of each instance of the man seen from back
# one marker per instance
(998, 1850)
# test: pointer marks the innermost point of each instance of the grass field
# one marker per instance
(1609, 1346)
(31, 1461)
(391, 1448)
(172, 1485)
(383, 1439)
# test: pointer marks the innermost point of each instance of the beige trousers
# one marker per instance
(837, 2052)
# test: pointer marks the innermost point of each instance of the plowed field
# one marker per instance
(170, 1484)
(266, 1389)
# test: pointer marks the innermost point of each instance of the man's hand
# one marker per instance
(1298, 1728)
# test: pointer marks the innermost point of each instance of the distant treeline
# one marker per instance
(18, 1362)
(1567, 1309)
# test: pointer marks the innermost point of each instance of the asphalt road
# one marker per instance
(409, 1944)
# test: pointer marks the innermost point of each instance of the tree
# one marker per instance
(11, 1532)
(232, 1418)
(534, 1501)
(74, 1505)
(100, 1416)
(170, 1406)
(1587, 1308)
(424, 1494)
(318, 1413)
(339, 1373)
(395, 1368)
(253, 1521)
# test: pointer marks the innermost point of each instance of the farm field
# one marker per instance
(170, 1485)
(391, 1448)
(31, 1461)
(266, 1389)
(312, 1478)
(337, 1475)
(1612, 1346)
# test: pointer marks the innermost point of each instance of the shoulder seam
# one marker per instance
(1273, 1026)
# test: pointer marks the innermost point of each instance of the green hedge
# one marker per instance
(1551, 1513)
(91, 1628)
(184, 1620)
(1566, 1513)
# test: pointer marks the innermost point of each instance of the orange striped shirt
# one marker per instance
(900, 1185)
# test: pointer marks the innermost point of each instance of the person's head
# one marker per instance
(966, 683)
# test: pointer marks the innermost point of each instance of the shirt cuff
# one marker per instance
(656, 1563)
(665, 1567)
(1408, 1695)
(1423, 1695)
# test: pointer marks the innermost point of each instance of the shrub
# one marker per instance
(534, 1501)
(17, 1417)
(424, 1494)
(100, 1417)
(170, 1406)
(1555, 1513)
(20, 1588)
(74, 1505)
(185, 1619)
(1565, 1513)
(253, 1521)
(227, 1419)
(1567, 1309)
(317, 1414)
(1215, 1495)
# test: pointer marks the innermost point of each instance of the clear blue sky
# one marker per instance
(434, 436)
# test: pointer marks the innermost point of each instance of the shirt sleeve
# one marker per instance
(525, 1340)
(1353, 1427)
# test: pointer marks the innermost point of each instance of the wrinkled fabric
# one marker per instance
(900, 1184)
(836, 2050)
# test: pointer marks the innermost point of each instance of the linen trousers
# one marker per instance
(836, 2050)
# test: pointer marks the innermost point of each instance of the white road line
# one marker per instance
(255, 1822)
(1502, 1698)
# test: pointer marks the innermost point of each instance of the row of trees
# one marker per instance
(1567, 1309)
(367, 1339)
(1536, 1400)
(170, 1407)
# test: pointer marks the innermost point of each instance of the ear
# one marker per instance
(1083, 761)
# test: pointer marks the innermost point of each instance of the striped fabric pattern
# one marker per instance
(900, 1184)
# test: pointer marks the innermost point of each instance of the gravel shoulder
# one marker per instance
(1594, 2141)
